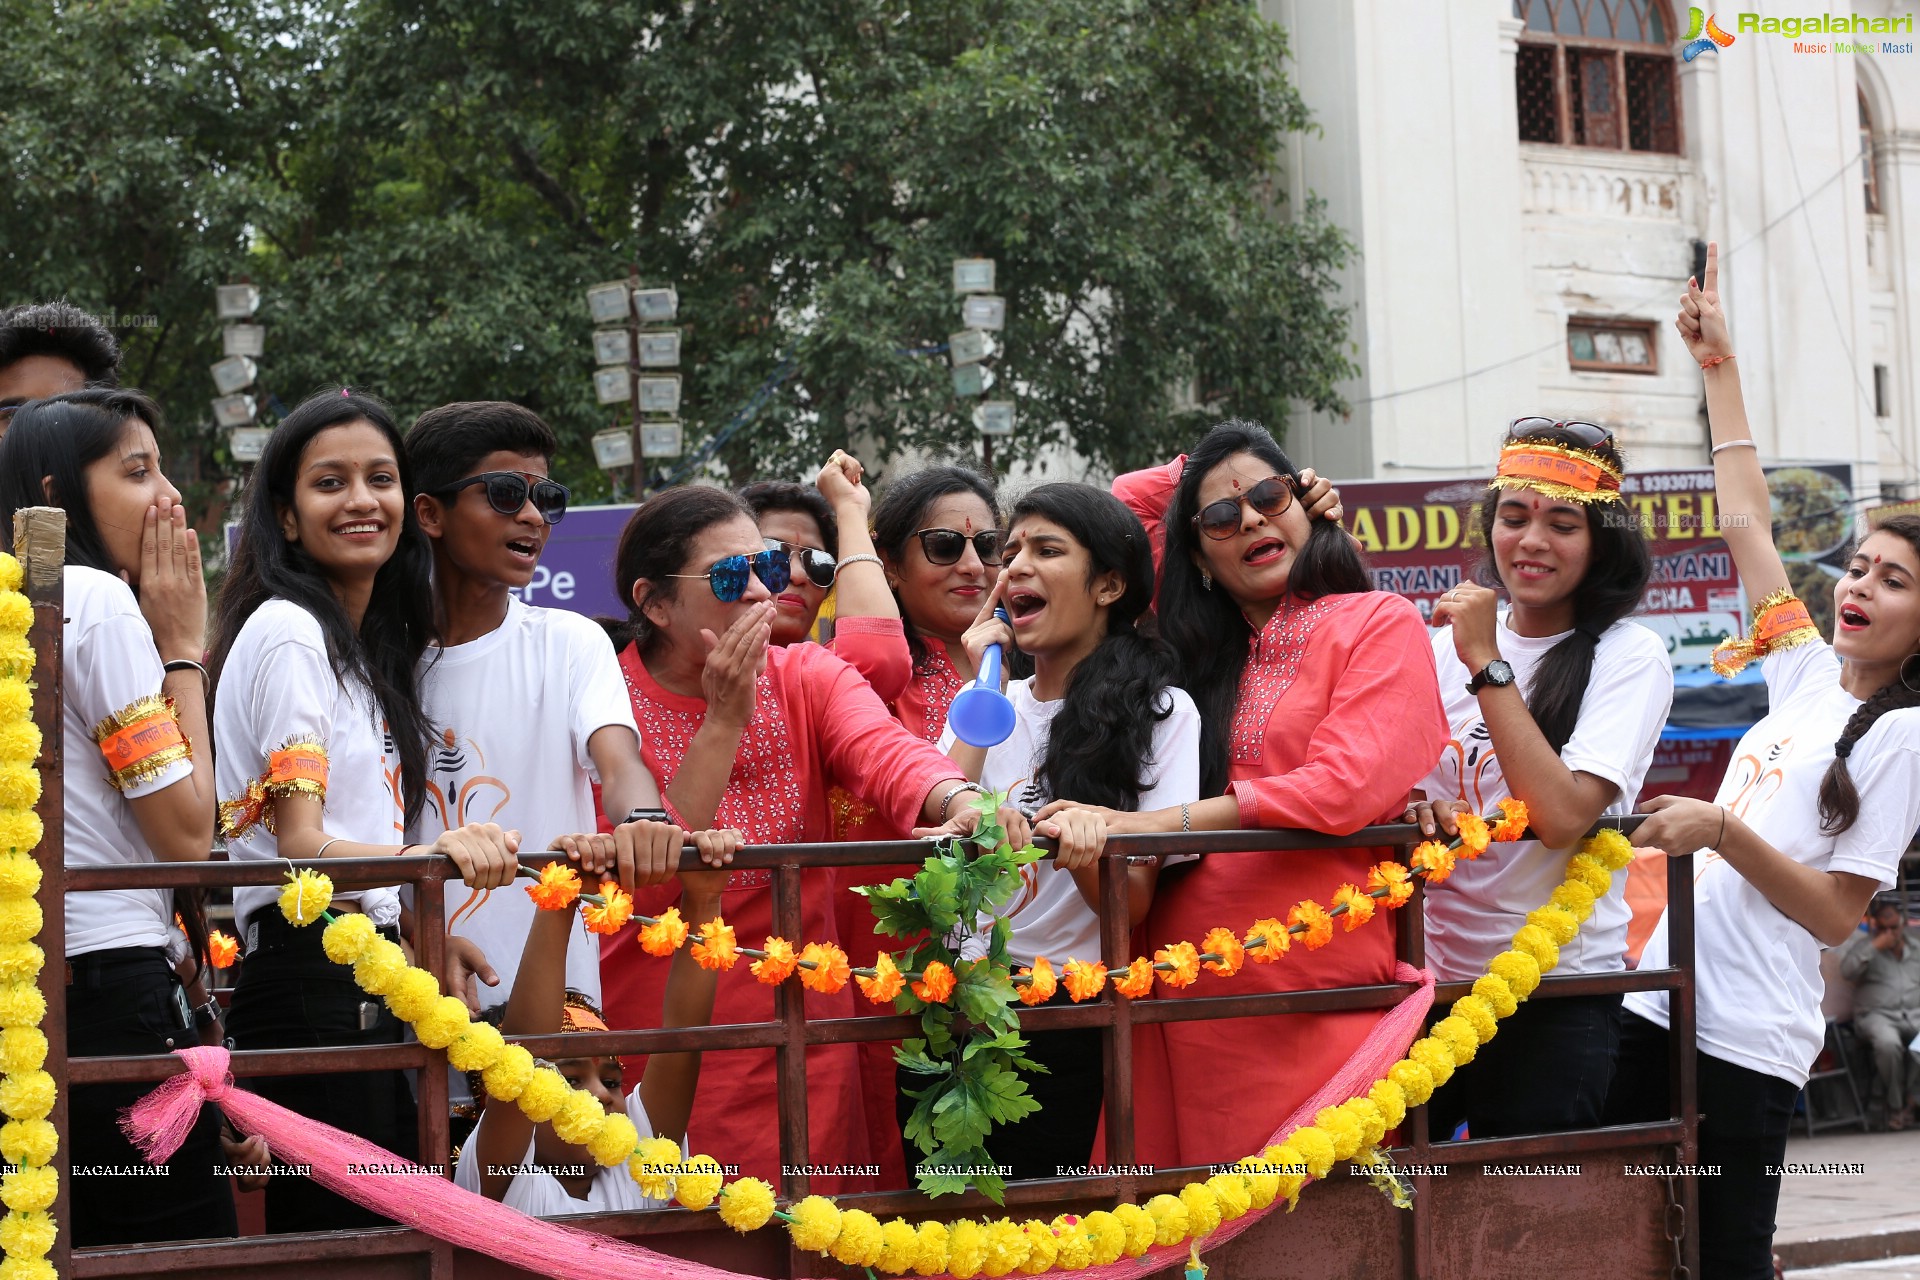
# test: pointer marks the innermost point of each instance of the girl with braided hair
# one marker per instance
(1821, 800)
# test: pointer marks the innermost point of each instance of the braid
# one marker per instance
(1839, 801)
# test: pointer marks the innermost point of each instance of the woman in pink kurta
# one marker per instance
(1319, 711)
(713, 700)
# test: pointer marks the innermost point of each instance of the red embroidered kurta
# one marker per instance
(1338, 717)
(921, 706)
(815, 722)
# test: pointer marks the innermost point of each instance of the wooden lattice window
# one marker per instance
(1597, 73)
(1612, 346)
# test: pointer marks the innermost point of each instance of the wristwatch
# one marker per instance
(1496, 673)
(646, 815)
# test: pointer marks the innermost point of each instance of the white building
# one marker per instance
(1528, 183)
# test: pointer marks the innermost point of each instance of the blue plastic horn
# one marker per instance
(980, 715)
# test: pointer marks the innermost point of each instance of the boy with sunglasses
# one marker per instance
(529, 702)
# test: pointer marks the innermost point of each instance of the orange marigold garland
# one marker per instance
(1231, 951)
(222, 949)
(663, 936)
(611, 912)
(715, 948)
(1513, 821)
(886, 982)
(1182, 961)
(935, 984)
(776, 963)
(1433, 860)
(1082, 980)
(1316, 924)
(1040, 983)
(824, 967)
(556, 888)
(1268, 940)
(1474, 834)
(1359, 906)
(1136, 980)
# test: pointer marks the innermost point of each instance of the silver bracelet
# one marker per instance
(186, 664)
(1733, 444)
(328, 845)
(947, 799)
(1186, 817)
(865, 557)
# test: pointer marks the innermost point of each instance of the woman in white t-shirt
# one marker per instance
(322, 752)
(1099, 722)
(139, 783)
(1559, 700)
(1821, 799)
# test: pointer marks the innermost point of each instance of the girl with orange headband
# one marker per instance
(1820, 802)
(1558, 700)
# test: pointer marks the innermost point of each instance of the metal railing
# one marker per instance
(789, 1033)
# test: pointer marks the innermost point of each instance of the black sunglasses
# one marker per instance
(1221, 520)
(507, 492)
(946, 546)
(728, 577)
(1591, 435)
(819, 566)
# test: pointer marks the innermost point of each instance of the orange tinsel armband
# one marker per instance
(140, 740)
(1780, 622)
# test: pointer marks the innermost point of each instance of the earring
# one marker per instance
(1206, 579)
(1906, 677)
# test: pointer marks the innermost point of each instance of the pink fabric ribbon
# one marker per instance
(420, 1198)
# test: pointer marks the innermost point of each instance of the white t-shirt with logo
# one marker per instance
(279, 686)
(1049, 916)
(1758, 971)
(1473, 914)
(108, 664)
(514, 711)
(538, 1194)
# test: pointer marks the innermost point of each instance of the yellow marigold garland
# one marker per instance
(965, 1248)
(28, 1140)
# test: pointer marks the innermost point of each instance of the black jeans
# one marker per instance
(290, 996)
(1070, 1093)
(1548, 1069)
(121, 1001)
(1743, 1131)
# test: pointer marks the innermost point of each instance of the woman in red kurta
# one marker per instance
(712, 701)
(937, 532)
(1319, 711)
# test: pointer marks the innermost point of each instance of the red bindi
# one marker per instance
(969, 524)
(1876, 559)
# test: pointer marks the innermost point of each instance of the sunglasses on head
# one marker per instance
(1221, 520)
(946, 546)
(1590, 435)
(508, 491)
(819, 566)
(728, 577)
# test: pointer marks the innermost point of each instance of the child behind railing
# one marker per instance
(528, 1166)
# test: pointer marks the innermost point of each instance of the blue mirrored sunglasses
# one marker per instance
(728, 577)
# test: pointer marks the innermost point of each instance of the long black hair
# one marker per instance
(1102, 737)
(656, 542)
(1839, 798)
(398, 624)
(1619, 566)
(60, 437)
(1210, 636)
(902, 512)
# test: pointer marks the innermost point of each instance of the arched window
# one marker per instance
(1597, 73)
(1869, 165)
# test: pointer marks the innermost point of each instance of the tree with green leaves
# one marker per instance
(424, 188)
